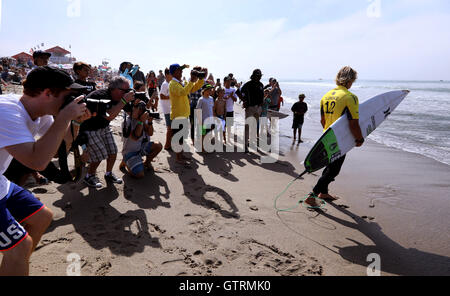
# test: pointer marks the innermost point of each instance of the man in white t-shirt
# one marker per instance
(23, 218)
(231, 97)
(166, 107)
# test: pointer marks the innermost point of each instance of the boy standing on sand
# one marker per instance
(206, 104)
(265, 110)
(300, 108)
(231, 97)
(220, 110)
(333, 105)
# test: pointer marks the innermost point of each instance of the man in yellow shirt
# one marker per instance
(333, 106)
(180, 104)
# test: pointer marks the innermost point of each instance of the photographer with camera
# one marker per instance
(275, 94)
(179, 99)
(17, 172)
(101, 144)
(23, 218)
(138, 128)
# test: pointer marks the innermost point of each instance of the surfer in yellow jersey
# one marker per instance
(333, 106)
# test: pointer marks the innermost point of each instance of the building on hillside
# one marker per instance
(23, 58)
(60, 56)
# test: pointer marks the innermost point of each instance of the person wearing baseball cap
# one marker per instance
(253, 96)
(179, 99)
(40, 58)
(23, 218)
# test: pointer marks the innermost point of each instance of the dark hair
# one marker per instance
(256, 73)
(79, 65)
(167, 71)
(46, 77)
(34, 92)
(123, 66)
(138, 84)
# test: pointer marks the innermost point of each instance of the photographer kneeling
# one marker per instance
(101, 144)
(136, 141)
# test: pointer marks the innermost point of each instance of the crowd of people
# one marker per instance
(15, 71)
(68, 109)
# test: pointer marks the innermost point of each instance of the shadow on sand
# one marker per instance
(395, 259)
(100, 224)
(200, 193)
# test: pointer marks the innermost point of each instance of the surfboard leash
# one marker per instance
(301, 201)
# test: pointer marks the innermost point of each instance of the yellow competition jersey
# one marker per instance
(336, 103)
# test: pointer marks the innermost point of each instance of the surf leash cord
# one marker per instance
(301, 201)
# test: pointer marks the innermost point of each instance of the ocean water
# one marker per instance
(421, 124)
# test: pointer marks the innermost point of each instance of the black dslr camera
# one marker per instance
(199, 72)
(93, 105)
(143, 106)
(141, 96)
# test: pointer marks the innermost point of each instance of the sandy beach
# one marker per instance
(217, 217)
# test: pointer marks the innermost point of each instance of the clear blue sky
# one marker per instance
(288, 39)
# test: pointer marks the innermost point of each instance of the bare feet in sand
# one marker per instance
(328, 197)
(312, 201)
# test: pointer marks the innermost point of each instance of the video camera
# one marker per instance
(199, 72)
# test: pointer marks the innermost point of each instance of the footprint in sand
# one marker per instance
(103, 269)
(273, 260)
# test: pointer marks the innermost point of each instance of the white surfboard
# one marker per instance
(276, 114)
(338, 139)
